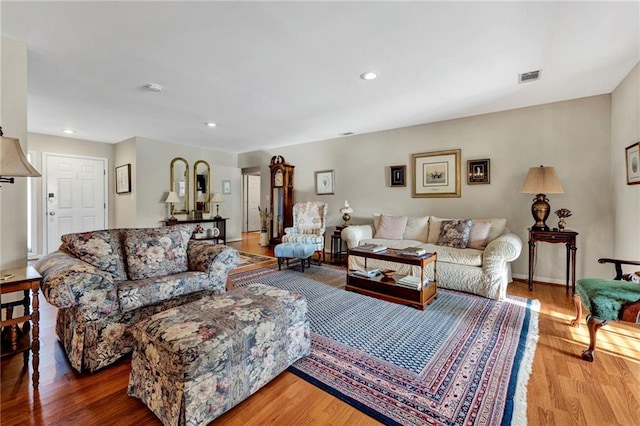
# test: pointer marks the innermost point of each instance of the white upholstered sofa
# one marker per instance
(479, 265)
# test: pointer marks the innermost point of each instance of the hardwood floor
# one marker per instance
(562, 390)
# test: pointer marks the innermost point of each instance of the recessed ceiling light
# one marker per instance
(68, 131)
(154, 87)
(369, 75)
(210, 124)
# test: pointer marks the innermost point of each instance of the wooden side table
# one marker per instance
(20, 340)
(336, 245)
(566, 237)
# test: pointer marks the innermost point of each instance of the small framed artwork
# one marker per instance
(478, 171)
(436, 174)
(226, 187)
(123, 179)
(397, 175)
(633, 164)
(324, 182)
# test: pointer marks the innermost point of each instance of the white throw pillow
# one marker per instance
(417, 228)
(391, 227)
(479, 234)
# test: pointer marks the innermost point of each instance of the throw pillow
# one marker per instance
(417, 229)
(102, 249)
(391, 227)
(155, 252)
(454, 233)
(479, 235)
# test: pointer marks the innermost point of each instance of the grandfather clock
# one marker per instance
(281, 197)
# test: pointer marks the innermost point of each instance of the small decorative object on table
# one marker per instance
(562, 214)
(388, 273)
(346, 213)
(198, 230)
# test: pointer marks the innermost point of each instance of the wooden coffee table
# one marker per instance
(386, 288)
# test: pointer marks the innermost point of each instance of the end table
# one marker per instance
(566, 237)
(22, 280)
(336, 245)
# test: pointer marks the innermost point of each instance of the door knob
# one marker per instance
(52, 213)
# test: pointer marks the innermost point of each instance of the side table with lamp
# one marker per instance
(336, 239)
(13, 163)
(540, 181)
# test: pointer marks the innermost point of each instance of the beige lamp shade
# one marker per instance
(217, 197)
(172, 198)
(541, 180)
(13, 163)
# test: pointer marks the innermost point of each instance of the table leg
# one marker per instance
(573, 249)
(532, 251)
(566, 280)
(35, 337)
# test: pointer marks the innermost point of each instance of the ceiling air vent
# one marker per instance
(529, 76)
(346, 134)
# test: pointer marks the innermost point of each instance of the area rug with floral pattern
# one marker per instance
(464, 360)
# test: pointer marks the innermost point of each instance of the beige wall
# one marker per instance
(13, 119)
(625, 123)
(574, 136)
(125, 204)
(153, 160)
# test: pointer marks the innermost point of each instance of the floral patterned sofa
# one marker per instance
(105, 281)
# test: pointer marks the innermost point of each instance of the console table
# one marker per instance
(220, 224)
(566, 237)
(22, 340)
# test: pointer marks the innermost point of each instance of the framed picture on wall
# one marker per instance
(226, 187)
(478, 171)
(324, 182)
(436, 174)
(397, 177)
(633, 164)
(123, 179)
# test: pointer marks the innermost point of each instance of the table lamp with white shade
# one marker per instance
(172, 198)
(217, 199)
(346, 211)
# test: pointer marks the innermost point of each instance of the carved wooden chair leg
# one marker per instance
(594, 325)
(577, 303)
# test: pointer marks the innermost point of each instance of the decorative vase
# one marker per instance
(562, 224)
(264, 238)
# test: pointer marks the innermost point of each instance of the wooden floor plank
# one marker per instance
(563, 389)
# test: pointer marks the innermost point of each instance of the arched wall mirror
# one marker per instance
(201, 186)
(180, 184)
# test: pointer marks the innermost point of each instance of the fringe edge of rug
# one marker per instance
(519, 416)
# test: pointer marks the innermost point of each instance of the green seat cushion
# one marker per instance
(605, 298)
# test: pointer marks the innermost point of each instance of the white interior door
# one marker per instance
(75, 196)
(253, 201)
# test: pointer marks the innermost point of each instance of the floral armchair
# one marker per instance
(309, 223)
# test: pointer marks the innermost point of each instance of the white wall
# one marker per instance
(153, 159)
(574, 136)
(74, 147)
(125, 204)
(13, 119)
(625, 124)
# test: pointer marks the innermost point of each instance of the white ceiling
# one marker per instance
(280, 73)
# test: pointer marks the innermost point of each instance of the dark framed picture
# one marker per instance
(123, 179)
(397, 175)
(478, 171)
(633, 164)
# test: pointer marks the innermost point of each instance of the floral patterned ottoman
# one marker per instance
(194, 362)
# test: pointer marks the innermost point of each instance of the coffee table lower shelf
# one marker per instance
(389, 291)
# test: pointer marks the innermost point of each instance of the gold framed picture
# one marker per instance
(436, 174)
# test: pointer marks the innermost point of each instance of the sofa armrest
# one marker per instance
(70, 282)
(353, 234)
(505, 248)
(213, 259)
(291, 231)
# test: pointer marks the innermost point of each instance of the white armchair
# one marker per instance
(309, 222)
